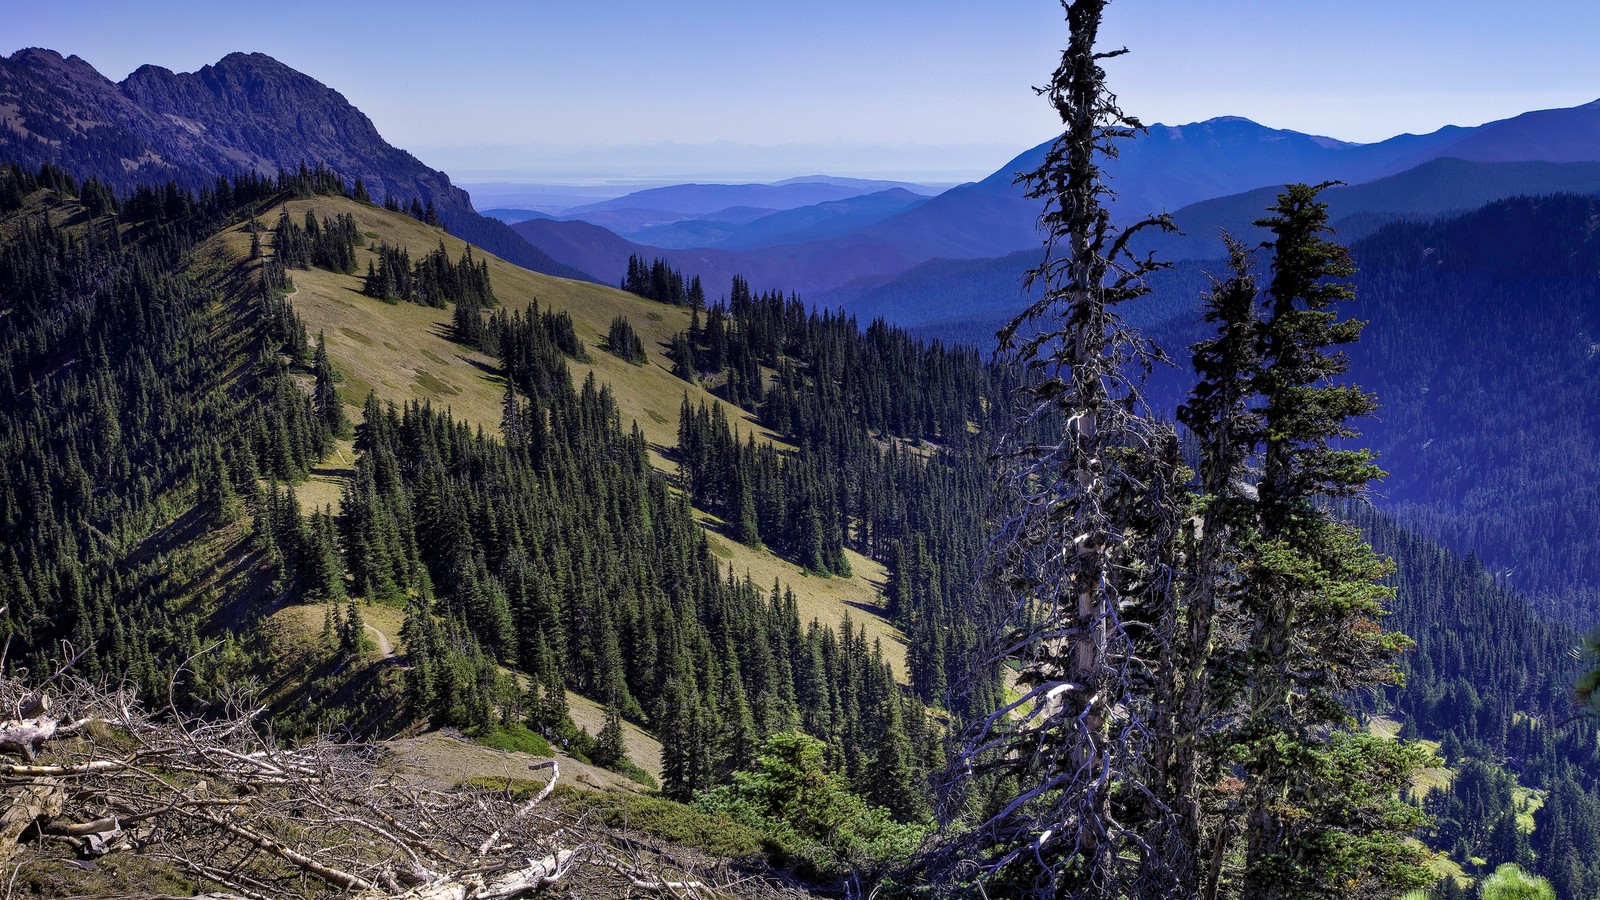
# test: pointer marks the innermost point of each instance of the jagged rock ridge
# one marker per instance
(246, 112)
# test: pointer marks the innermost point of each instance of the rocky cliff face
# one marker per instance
(250, 108)
(246, 112)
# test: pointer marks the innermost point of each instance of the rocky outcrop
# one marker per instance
(248, 112)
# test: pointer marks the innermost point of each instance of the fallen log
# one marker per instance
(23, 806)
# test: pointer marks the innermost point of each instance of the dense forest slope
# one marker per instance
(204, 472)
(1490, 681)
(1481, 350)
(515, 562)
(407, 353)
(1483, 347)
(470, 474)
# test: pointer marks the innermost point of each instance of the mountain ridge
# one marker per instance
(1166, 168)
(246, 112)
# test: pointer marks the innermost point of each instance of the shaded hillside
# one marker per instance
(1482, 350)
(247, 112)
(988, 290)
(808, 268)
(1481, 346)
(1435, 188)
(819, 221)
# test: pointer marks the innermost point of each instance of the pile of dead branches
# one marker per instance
(90, 772)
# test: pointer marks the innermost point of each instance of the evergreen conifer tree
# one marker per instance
(609, 750)
(1314, 594)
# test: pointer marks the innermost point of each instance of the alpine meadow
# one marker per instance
(1191, 511)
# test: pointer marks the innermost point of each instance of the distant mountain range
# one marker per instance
(877, 247)
(972, 297)
(809, 268)
(246, 112)
(705, 199)
(955, 248)
(793, 211)
(819, 221)
(1481, 346)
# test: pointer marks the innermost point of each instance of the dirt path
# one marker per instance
(385, 648)
(443, 759)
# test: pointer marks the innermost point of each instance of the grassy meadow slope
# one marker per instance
(403, 352)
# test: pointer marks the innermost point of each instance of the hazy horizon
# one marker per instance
(939, 91)
(724, 162)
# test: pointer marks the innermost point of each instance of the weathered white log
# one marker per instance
(525, 809)
(23, 806)
(26, 736)
(527, 879)
(508, 886)
(442, 890)
(20, 770)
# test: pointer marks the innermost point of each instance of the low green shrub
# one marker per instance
(810, 820)
(514, 738)
(668, 820)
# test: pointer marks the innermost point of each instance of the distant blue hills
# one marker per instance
(819, 221)
(974, 296)
(960, 253)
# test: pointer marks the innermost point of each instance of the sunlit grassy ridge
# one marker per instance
(404, 353)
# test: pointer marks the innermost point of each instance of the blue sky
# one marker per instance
(934, 90)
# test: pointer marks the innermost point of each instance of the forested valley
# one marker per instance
(1133, 628)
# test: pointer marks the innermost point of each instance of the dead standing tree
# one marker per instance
(1083, 492)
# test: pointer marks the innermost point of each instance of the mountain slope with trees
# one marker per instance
(762, 532)
(1481, 350)
(973, 295)
(555, 548)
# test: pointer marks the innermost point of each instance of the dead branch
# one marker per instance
(220, 800)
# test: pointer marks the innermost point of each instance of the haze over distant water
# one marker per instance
(935, 91)
(635, 166)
